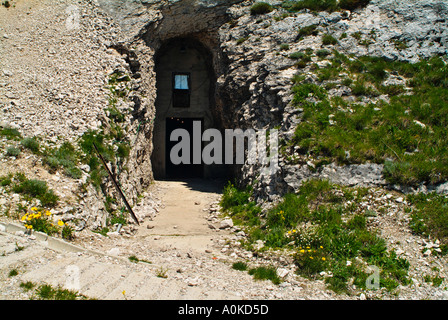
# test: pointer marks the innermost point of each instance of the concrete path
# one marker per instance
(181, 226)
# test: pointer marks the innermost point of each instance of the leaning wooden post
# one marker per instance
(116, 185)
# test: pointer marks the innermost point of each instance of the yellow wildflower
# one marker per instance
(60, 223)
(33, 209)
(28, 226)
(24, 217)
(302, 251)
(321, 247)
(323, 258)
(48, 213)
(311, 258)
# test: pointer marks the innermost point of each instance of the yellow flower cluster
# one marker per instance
(35, 214)
(281, 214)
(309, 250)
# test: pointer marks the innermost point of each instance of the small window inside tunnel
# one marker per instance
(185, 93)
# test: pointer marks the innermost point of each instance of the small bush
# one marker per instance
(47, 292)
(353, 4)
(284, 46)
(307, 31)
(430, 217)
(64, 157)
(328, 39)
(67, 232)
(315, 5)
(322, 53)
(241, 266)
(31, 143)
(12, 152)
(260, 8)
(265, 273)
(10, 133)
(35, 189)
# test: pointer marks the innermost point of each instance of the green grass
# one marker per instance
(237, 203)
(12, 152)
(13, 273)
(323, 234)
(389, 133)
(265, 273)
(47, 292)
(31, 143)
(34, 188)
(65, 157)
(328, 39)
(241, 266)
(324, 5)
(27, 285)
(430, 217)
(10, 133)
(90, 157)
(260, 8)
(307, 31)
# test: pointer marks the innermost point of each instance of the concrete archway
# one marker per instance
(185, 93)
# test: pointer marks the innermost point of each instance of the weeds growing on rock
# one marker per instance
(10, 133)
(33, 188)
(40, 220)
(404, 134)
(260, 8)
(31, 144)
(330, 241)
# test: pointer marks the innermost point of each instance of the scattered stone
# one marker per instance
(227, 223)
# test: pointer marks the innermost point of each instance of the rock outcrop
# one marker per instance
(58, 58)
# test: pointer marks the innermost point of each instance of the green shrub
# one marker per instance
(12, 152)
(10, 133)
(328, 39)
(325, 236)
(265, 273)
(284, 46)
(352, 4)
(260, 8)
(35, 189)
(31, 143)
(64, 157)
(322, 53)
(307, 31)
(241, 266)
(430, 217)
(315, 5)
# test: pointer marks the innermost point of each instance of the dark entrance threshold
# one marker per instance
(181, 170)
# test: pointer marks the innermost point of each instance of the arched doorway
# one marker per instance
(185, 97)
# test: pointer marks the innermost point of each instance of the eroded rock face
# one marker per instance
(54, 82)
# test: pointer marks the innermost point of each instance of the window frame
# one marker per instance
(186, 93)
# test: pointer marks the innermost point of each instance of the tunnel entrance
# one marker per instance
(182, 170)
(185, 92)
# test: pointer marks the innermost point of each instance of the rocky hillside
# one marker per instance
(357, 90)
